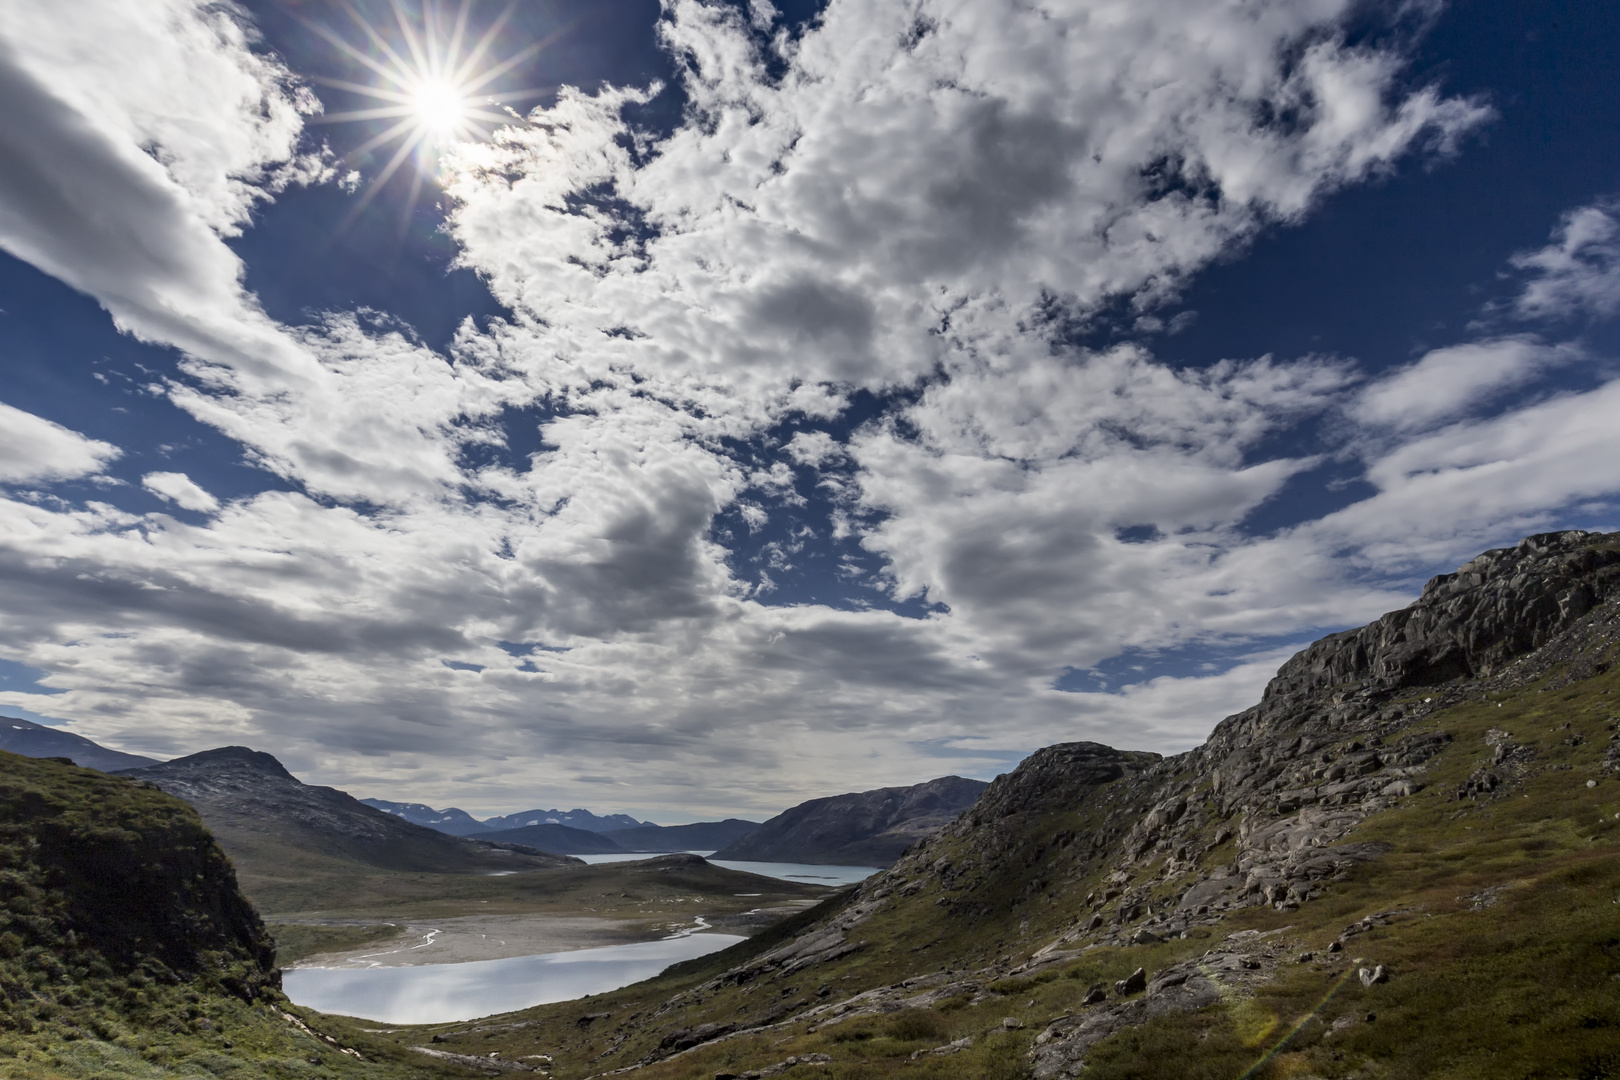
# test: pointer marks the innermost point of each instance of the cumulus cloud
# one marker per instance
(33, 449)
(181, 490)
(1578, 273)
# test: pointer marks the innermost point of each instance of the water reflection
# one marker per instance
(439, 993)
(809, 873)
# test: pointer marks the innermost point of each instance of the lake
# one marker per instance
(441, 993)
(809, 873)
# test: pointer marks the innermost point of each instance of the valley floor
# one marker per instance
(463, 938)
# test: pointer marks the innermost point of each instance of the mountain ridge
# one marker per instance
(458, 822)
(864, 828)
(38, 741)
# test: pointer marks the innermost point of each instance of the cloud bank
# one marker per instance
(927, 203)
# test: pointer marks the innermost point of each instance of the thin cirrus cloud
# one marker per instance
(1449, 381)
(900, 199)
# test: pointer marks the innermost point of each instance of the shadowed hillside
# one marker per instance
(867, 828)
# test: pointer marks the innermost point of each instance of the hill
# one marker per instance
(296, 845)
(698, 836)
(36, 740)
(557, 839)
(126, 948)
(867, 828)
(1402, 862)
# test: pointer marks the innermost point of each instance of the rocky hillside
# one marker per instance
(284, 834)
(1401, 862)
(867, 828)
(36, 740)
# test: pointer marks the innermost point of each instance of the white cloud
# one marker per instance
(905, 206)
(812, 448)
(33, 449)
(1579, 272)
(1448, 381)
(181, 490)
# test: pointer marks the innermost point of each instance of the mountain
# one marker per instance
(460, 823)
(698, 836)
(573, 819)
(38, 741)
(867, 828)
(1401, 862)
(286, 837)
(453, 821)
(557, 839)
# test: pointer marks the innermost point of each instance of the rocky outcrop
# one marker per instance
(1496, 608)
(106, 876)
(867, 828)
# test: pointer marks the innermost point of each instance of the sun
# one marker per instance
(431, 79)
(441, 107)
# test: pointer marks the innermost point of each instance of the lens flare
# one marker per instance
(432, 78)
(440, 107)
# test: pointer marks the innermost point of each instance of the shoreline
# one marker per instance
(466, 938)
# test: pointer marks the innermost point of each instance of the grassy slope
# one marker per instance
(125, 950)
(1504, 961)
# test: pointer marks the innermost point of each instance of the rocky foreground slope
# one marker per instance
(1402, 862)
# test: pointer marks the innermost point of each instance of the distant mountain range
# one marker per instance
(245, 795)
(698, 836)
(460, 823)
(574, 832)
(867, 828)
(38, 741)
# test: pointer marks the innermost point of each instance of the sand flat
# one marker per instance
(488, 937)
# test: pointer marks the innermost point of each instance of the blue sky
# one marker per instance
(778, 399)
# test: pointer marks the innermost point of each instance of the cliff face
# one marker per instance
(114, 877)
(867, 828)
